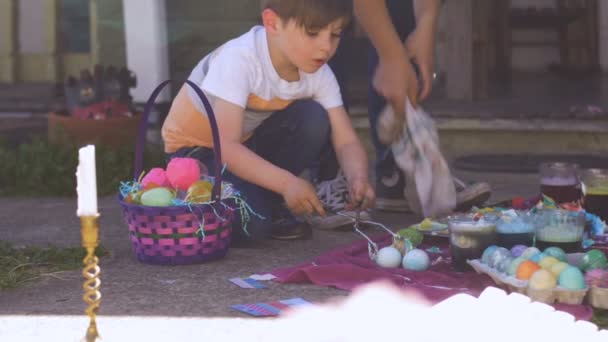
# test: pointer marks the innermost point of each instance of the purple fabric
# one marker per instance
(348, 267)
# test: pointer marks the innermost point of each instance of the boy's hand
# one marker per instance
(301, 198)
(362, 195)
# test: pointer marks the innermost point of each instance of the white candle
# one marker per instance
(86, 179)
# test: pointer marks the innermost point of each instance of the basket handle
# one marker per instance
(217, 154)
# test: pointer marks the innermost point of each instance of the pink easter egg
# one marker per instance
(183, 172)
(156, 176)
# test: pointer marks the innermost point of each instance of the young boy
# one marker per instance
(279, 110)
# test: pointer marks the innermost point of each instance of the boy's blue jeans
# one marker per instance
(293, 139)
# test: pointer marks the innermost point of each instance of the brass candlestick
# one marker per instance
(89, 229)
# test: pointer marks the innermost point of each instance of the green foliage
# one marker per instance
(40, 168)
(19, 265)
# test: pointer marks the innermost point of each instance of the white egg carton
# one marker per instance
(512, 284)
(598, 297)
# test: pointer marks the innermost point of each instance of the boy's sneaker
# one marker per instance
(334, 196)
(288, 227)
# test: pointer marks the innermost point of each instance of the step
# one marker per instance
(465, 136)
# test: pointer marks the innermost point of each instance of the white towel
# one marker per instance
(429, 189)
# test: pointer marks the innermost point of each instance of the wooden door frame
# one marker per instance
(9, 61)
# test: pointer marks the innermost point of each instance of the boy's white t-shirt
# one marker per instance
(241, 72)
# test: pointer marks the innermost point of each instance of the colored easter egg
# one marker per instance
(558, 268)
(388, 257)
(416, 260)
(503, 266)
(526, 269)
(157, 197)
(498, 256)
(597, 278)
(485, 257)
(556, 252)
(156, 176)
(517, 250)
(199, 192)
(594, 259)
(537, 257)
(542, 280)
(529, 252)
(413, 235)
(548, 261)
(512, 269)
(183, 172)
(572, 279)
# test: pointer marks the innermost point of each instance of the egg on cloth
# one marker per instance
(572, 279)
(416, 260)
(388, 257)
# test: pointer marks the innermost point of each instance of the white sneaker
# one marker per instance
(334, 196)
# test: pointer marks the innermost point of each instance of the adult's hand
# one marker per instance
(395, 80)
(420, 45)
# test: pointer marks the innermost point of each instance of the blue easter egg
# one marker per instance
(572, 279)
(487, 253)
(538, 257)
(556, 252)
(416, 260)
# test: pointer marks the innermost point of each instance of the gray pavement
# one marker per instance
(132, 288)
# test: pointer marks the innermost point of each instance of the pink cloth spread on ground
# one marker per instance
(348, 267)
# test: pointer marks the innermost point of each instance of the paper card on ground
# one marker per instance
(247, 283)
(269, 309)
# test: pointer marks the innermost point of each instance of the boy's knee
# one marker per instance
(314, 120)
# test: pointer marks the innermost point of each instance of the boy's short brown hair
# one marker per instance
(311, 14)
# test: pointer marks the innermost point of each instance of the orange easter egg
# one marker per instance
(526, 269)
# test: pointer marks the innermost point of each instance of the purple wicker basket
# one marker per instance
(170, 235)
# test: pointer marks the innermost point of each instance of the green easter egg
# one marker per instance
(157, 197)
(572, 279)
(556, 252)
(413, 235)
(594, 259)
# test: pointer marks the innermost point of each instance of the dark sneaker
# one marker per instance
(334, 196)
(290, 228)
(389, 192)
(468, 196)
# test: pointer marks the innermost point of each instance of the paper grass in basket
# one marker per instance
(180, 215)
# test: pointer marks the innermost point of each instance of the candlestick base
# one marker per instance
(91, 271)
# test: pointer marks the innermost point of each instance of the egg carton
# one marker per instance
(512, 284)
(598, 297)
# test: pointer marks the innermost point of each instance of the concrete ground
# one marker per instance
(132, 288)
